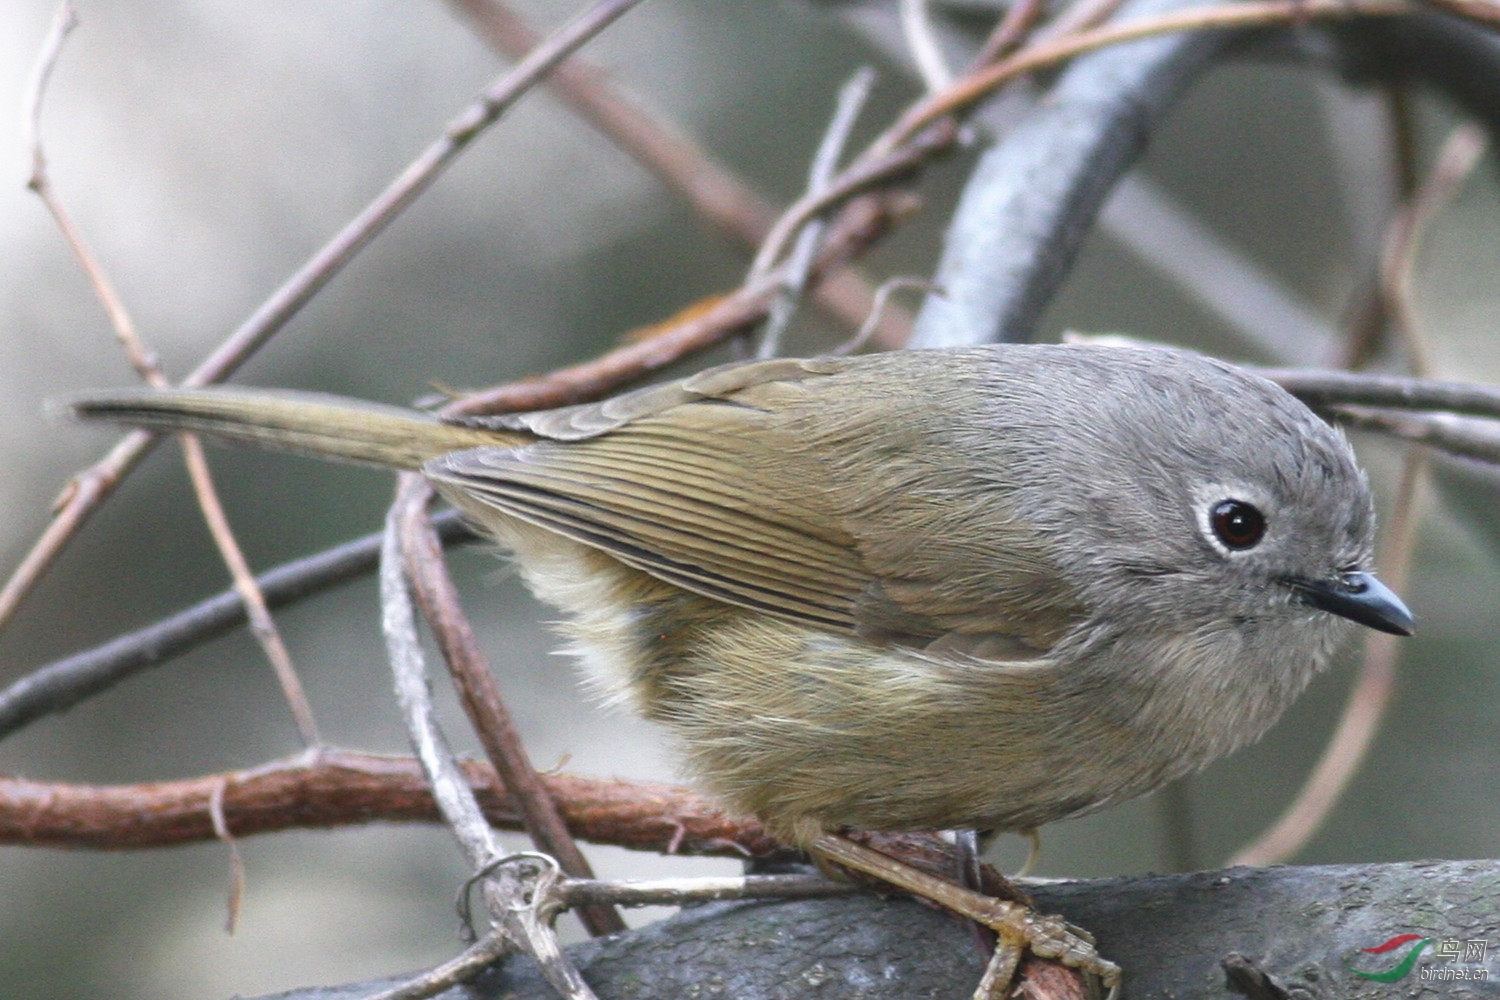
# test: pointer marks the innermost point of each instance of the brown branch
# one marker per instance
(699, 326)
(1376, 683)
(481, 698)
(1455, 161)
(341, 788)
(1010, 31)
(1243, 14)
(714, 191)
(147, 364)
(257, 611)
(94, 485)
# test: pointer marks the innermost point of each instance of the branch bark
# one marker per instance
(1299, 928)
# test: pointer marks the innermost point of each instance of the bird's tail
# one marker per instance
(306, 423)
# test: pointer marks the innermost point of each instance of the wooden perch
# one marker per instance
(1283, 932)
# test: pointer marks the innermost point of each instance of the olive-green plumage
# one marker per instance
(986, 587)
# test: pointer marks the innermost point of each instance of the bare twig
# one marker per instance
(882, 298)
(337, 788)
(920, 133)
(1363, 319)
(711, 188)
(701, 325)
(455, 800)
(1455, 161)
(262, 626)
(1247, 13)
(513, 897)
(1376, 682)
(678, 891)
(509, 900)
(98, 482)
(236, 862)
(1324, 389)
(457, 970)
(64, 683)
(1018, 20)
(79, 498)
(852, 97)
(481, 698)
(867, 172)
(1478, 441)
(922, 43)
(1080, 15)
(146, 363)
(419, 175)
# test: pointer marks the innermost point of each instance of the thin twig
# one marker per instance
(505, 892)
(147, 364)
(715, 192)
(236, 862)
(1477, 441)
(1080, 15)
(1376, 682)
(79, 499)
(262, 626)
(92, 486)
(701, 325)
(867, 172)
(852, 97)
(1364, 318)
(922, 43)
(1456, 160)
(338, 788)
(882, 298)
(64, 683)
(398, 623)
(481, 697)
(456, 971)
(493, 102)
(680, 891)
(1244, 14)
(1012, 28)
(1325, 389)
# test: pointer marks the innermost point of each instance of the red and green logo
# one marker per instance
(1402, 968)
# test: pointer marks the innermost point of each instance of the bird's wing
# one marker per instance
(741, 484)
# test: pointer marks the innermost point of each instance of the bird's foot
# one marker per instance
(1017, 927)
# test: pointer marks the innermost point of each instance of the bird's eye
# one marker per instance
(1237, 524)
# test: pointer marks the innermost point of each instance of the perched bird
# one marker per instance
(989, 587)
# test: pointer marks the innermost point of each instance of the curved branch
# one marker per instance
(336, 788)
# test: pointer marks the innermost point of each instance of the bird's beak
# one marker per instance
(1360, 598)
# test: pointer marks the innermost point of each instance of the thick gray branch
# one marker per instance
(1300, 926)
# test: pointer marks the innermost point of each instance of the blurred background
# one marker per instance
(206, 148)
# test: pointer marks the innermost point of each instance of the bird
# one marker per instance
(989, 587)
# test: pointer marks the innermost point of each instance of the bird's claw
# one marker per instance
(1020, 928)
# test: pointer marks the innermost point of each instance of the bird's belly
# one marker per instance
(812, 730)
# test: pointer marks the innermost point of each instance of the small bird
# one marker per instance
(989, 587)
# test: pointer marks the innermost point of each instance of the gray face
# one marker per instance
(1187, 494)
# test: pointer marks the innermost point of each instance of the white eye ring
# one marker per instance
(1238, 524)
(1233, 519)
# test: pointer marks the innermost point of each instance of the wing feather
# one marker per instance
(815, 490)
